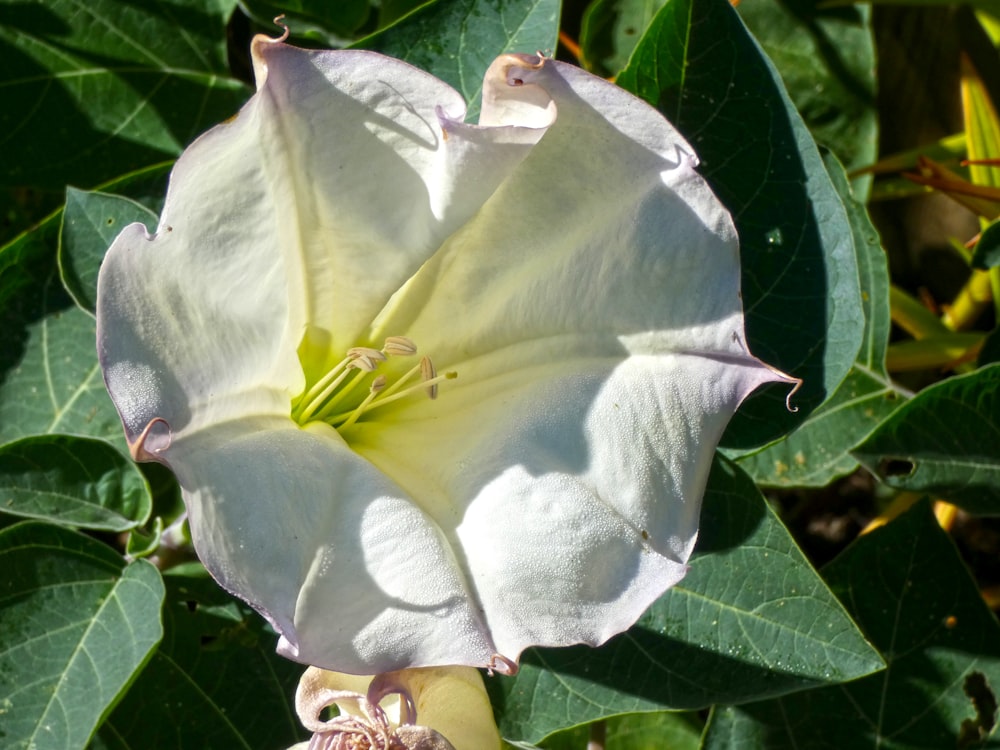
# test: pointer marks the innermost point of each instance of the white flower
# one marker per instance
(570, 286)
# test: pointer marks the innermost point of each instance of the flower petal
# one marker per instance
(453, 701)
(586, 289)
(579, 505)
(601, 356)
(287, 229)
(379, 171)
(604, 231)
(351, 573)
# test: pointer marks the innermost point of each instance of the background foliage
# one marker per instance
(791, 630)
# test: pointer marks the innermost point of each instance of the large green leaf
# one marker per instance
(456, 40)
(93, 90)
(330, 21)
(74, 481)
(610, 30)
(215, 681)
(672, 730)
(77, 624)
(817, 451)
(826, 57)
(908, 589)
(946, 440)
(698, 64)
(751, 619)
(51, 381)
(91, 221)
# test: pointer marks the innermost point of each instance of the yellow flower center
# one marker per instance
(334, 398)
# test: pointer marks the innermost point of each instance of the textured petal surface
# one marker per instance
(579, 505)
(605, 233)
(379, 170)
(288, 228)
(350, 572)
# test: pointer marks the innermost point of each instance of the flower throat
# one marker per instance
(328, 398)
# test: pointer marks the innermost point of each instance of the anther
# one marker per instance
(365, 358)
(399, 346)
(428, 373)
(378, 384)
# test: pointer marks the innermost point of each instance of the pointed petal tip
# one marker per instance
(258, 48)
(152, 441)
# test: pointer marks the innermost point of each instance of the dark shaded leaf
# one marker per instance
(701, 68)
(215, 681)
(909, 591)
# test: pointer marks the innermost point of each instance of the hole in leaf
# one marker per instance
(191, 604)
(984, 701)
(208, 640)
(896, 467)
(111, 220)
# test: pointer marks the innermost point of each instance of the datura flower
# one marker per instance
(443, 708)
(434, 392)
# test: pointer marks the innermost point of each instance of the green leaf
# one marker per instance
(91, 221)
(51, 381)
(95, 90)
(456, 40)
(392, 10)
(74, 481)
(143, 544)
(987, 251)
(215, 682)
(817, 452)
(989, 6)
(945, 441)
(826, 57)
(751, 619)
(698, 64)
(78, 623)
(610, 30)
(25, 259)
(991, 349)
(908, 589)
(662, 729)
(330, 21)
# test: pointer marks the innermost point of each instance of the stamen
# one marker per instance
(322, 398)
(325, 412)
(350, 417)
(320, 391)
(428, 373)
(377, 386)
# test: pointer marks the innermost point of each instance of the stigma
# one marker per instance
(354, 386)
